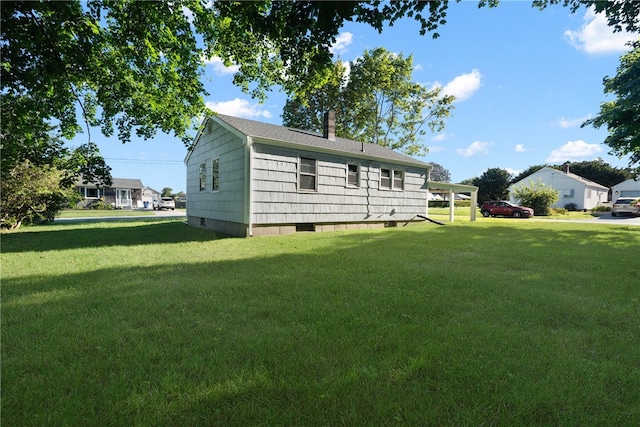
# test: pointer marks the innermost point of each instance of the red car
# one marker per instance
(503, 208)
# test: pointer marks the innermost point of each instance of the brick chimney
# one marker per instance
(565, 167)
(329, 126)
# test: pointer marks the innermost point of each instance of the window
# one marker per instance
(353, 175)
(92, 193)
(203, 176)
(392, 179)
(385, 178)
(398, 180)
(215, 174)
(568, 194)
(307, 177)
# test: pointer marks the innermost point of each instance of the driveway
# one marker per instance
(179, 213)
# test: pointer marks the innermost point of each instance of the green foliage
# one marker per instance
(537, 196)
(560, 211)
(137, 66)
(31, 194)
(167, 192)
(525, 173)
(572, 207)
(601, 208)
(493, 184)
(377, 103)
(100, 205)
(621, 114)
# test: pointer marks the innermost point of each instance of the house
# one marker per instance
(628, 188)
(124, 193)
(571, 188)
(248, 178)
(148, 196)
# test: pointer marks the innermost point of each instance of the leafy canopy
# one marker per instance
(377, 102)
(493, 184)
(136, 67)
(622, 115)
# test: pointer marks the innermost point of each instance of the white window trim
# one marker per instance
(392, 186)
(85, 191)
(358, 175)
(300, 174)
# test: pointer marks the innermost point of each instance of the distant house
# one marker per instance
(571, 188)
(248, 178)
(124, 193)
(628, 188)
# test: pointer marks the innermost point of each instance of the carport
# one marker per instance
(451, 189)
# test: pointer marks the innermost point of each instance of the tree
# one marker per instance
(599, 171)
(622, 115)
(34, 156)
(439, 173)
(493, 184)
(377, 103)
(537, 196)
(137, 66)
(528, 171)
(167, 192)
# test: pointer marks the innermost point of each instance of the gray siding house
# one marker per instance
(124, 193)
(248, 178)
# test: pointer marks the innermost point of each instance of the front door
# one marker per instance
(123, 198)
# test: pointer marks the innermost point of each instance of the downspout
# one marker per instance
(249, 186)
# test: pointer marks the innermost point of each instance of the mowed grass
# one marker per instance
(156, 323)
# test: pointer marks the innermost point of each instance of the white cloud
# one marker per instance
(574, 150)
(520, 148)
(513, 172)
(342, 42)
(219, 67)
(476, 147)
(572, 123)
(463, 86)
(441, 137)
(596, 37)
(436, 149)
(238, 108)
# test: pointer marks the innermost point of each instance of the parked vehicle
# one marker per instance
(626, 205)
(164, 203)
(504, 208)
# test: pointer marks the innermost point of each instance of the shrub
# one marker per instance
(559, 211)
(100, 205)
(601, 208)
(571, 207)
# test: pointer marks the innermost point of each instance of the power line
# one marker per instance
(147, 162)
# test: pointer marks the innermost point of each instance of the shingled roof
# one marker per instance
(312, 141)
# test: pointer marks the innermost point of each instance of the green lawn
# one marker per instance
(151, 322)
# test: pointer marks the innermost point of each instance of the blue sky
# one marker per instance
(524, 80)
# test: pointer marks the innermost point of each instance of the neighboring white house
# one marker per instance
(148, 196)
(248, 178)
(571, 188)
(628, 188)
